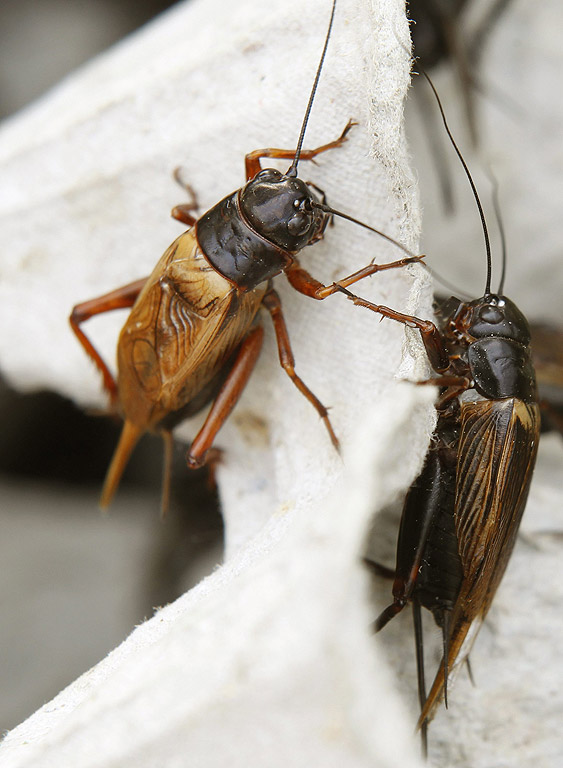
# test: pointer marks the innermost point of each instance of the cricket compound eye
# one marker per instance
(303, 219)
(491, 315)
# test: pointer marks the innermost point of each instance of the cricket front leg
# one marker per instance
(303, 282)
(252, 160)
(431, 336)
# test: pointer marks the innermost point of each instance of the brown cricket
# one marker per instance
(193, 334)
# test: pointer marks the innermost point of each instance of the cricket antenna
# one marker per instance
(500, 225)
(334, 212)
(471, 182)
(293, 167)
(456, 291)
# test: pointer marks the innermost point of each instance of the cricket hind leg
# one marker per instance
(166, 426)
(227, 398)
(121, 298)
(238, 376)
(130, 436)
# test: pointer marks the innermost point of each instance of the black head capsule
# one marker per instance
(493, 315)
(497, 336)
(282, 209)
(253, 234)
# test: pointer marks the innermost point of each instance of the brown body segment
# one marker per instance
(185, 325)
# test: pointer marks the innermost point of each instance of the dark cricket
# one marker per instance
(461, 515)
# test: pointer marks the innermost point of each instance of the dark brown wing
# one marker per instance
(497, 453)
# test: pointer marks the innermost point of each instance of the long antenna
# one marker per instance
(293, 167)
(471, 182)
(292, 171)
(334, 212)
(446, 283)
(500, 225)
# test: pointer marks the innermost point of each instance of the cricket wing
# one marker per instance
(497, 453)
(184, 326)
